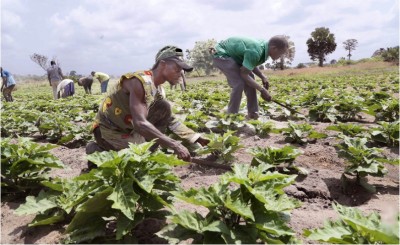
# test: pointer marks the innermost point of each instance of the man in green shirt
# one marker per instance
(238, 58)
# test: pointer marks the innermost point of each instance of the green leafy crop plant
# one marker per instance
(126, 187)
(361, 161)
(247, 206)
(354, 227)
(277, 159)
(24, 165)
(222, 146)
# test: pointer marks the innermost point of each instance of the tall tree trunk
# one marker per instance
(321, 62)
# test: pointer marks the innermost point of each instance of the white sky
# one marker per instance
(118, 36)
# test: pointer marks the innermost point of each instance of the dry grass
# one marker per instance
(365, 67)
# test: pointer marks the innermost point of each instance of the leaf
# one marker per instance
(38, 204)
(174, 233)
(370, 225)
(238, 206)
(171, 160)
(332, 232)
(271, 223)
(93, 208)
(204, 197)
(47, 219)
(191, 221)
(124, 198)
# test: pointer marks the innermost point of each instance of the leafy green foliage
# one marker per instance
(223, 146)
(385, 110)
(127, 187)
(353, 227)
(349, 129)
(263, 129)
(301, 133)
(25, 164)
(226, 122)
(246, 206)
(361, 160)
(387, 133)
(276, 157)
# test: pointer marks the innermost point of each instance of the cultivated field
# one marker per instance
(348, 123)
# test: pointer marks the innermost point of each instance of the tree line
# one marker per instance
(321, 43)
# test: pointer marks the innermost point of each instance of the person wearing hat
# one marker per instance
(238, 58)
(136, 110)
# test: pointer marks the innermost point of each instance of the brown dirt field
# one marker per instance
(317, 191)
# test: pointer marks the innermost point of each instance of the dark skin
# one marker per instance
(165, 71)
(274, 53)
(4, 80)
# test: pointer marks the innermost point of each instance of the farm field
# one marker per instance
(348, 123)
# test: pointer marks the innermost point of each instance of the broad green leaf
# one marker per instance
(191, 221)
(47, 219)
(332, 232)
(92, 209)
(37, 204)
(171, 160)
(239, 206)
(369, 225)
(124, 198)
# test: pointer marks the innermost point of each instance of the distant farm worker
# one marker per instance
(86, 82)
(65, 88)
(54, 75)
(102, 78)
(182, 82)
(238, 58)
(8, 84)
(136, 110)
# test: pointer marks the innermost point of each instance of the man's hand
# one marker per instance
(265, 95)
(181, 152)
(265, 83)
(202, 141)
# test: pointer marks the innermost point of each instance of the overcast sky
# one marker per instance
(118, 36)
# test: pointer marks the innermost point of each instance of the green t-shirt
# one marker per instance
(247, 52)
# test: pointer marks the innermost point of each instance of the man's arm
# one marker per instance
(138, 110)
(264, 79)
(245, 74)
(4, 81)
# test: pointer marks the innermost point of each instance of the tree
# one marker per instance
(378, 52)
(200, 56)
(321, 43)
(287, 57)
(41, 60)
(391, 55)
(350, 45)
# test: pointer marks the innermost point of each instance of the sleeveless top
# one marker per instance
(114, 112)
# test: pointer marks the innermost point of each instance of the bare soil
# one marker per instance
(318, 190)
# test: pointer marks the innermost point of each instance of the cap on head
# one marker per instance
(52, 62)
(175, 54)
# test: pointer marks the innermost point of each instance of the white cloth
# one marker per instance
(62, 85)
